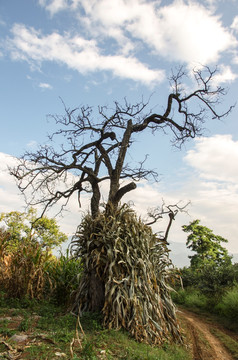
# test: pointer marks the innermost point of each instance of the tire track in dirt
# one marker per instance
(205, 345)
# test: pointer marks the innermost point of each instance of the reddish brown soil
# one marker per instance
(203, 344)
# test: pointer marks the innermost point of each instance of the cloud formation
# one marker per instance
(225, 75)
(8, 190)
(123, 36)
(77, 53)
(212, 185)
(215, 158)
(181, 31)
(45, 86)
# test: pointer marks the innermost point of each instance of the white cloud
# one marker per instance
(212, 185)
(77, 53)
(215, 158)
(225, 75)
(182, 31)
(179, 32)
(9, 194)
(215, 205)
(32, 144)
(234, 24)
(53, 6)
(192, 32)
(45, 86)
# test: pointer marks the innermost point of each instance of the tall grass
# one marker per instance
(33, 272)
(64, 273)
(23, 271)
(228, 306)
(190, 298)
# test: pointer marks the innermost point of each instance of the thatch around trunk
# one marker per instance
(133, 266)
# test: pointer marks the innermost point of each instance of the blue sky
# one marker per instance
(94, 52)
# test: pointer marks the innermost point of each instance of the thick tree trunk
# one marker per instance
(96, 292)
(116, 193)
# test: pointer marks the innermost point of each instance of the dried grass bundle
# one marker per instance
(133, 264)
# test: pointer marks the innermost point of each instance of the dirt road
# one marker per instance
(205, 346)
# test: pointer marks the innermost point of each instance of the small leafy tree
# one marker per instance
(22, 226)
(211, 272)
(206, 245)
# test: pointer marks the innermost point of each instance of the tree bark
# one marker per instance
(95, 200)
(122, 191)
(115, 193)
(96, 292)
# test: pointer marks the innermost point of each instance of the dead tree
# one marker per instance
(95, 150)
(94, 146)
(159, 212)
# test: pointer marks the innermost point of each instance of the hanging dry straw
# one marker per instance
(133, 264)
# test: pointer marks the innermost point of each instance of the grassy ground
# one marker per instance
(52, 335)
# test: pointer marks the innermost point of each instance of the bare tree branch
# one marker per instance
(159, 212)
(88, 148)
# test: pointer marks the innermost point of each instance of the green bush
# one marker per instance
(209, 279)
(64, 274)
(195, 299)
(179, 296)
(191, 298)
(228, 307)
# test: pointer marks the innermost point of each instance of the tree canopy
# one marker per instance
(27, 226)
(206, 245)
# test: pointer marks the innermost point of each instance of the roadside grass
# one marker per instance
(54, 331)
(230, 344)
(190, 298)
(228, 307)
(223, 311)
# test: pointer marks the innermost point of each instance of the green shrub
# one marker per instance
(211, 280)
(64, 274)
(179, 296)
(228, 307)
(195, 299)
(191, 298)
